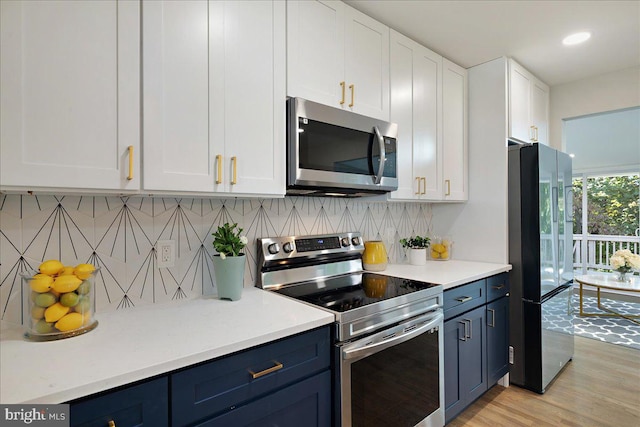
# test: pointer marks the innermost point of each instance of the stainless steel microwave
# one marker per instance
(332, 152)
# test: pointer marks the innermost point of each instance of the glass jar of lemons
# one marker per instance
(440, 248)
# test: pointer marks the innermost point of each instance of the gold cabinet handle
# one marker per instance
(531, 133)
(234, 165)
(112, 423)
(418, 179)
(277, 367)
(353, 89)
(219, 162)
(342, 86)
(448, 183)
(130, 176)
(424, 185)
(535, 132)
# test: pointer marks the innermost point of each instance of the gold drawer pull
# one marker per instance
(353, 89)
(234, 163)
(219, 162)
(418, 179)
(464, 299)
(277, 367)
(130, 176)
(448, 184)
(342, 88)
(424, 185)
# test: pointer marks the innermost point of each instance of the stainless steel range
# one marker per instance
(388, 330)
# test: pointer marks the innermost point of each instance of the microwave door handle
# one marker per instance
(383, 156)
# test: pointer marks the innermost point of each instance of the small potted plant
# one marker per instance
(417, 246)
(229, 264)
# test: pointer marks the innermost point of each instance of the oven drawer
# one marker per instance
(497, 286)
(463, 298)
(216, 387)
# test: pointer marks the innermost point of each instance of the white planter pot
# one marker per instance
(418, 256)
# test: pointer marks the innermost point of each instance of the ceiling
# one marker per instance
(475, 31)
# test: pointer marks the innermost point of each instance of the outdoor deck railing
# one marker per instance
(592, 252)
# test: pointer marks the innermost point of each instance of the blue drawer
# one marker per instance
(497, 286)
(464, 298)
(215, 387)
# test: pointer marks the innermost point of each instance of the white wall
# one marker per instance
(608, 92)
(479, 228)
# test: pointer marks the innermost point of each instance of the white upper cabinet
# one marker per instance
(338, 56)
(454, 131)
(429, 104)
(528, 106)
(214, 97)
(416, 96)
(69, 95)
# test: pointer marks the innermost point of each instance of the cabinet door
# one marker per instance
(315, 51)
(519, 103)
(307, 403)
(251, 114)
(497, 340)
(146, 404)
(69, 95)
(180, 154)
(415, 95)
(366, 65)
(540, 111)
(454, 400)
(454, 131)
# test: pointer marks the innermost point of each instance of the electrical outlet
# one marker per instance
(166, 253)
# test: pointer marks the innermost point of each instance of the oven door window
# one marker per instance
(398, 386)
(331, 148)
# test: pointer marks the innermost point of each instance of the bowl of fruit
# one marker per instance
(59, 301)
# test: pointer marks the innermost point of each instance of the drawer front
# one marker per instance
(145, 404)
(218, 386)
(463, 298)
(497, 286)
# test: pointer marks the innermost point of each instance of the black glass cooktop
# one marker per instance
(343, 293)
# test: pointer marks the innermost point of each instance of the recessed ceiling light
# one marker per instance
(576, 38)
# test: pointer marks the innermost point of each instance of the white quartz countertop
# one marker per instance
(449, 273)
(138, 343)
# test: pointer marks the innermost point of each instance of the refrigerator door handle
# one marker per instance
(554, 205)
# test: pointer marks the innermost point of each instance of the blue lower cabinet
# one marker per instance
(307, 403)
(497, 339)
(145, 404)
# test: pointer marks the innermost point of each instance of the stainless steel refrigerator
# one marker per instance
(541, 252)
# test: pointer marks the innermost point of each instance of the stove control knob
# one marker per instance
(355, 241)
(344, 241)
(287, 247)
(274, 248)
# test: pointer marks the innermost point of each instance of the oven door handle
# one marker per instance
(382, 345)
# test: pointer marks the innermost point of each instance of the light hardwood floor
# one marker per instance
(600, 387)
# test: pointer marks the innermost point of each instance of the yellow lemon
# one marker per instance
(444, 255)
(438, 247)
(51, 267)
(66, 271)
(70, 322)
(37, 312)
(55, 312)
(83, 271)
(64, 284)
(435, 254)
(41, 283)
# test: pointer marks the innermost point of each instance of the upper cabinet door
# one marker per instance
(180, 154)
(454, 131)
(315, 51)
(528, 106)
(416, 95)
(338, 56)
(69, 95)
(366, 65)
(254, 107)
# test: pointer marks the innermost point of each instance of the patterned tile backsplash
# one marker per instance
(120, 234)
